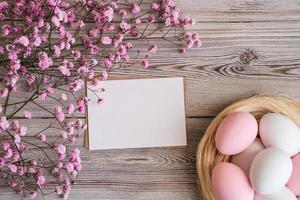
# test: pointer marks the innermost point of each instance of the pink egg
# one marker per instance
(229, 182)
(294, 182)
(236, 132)
(245, 158)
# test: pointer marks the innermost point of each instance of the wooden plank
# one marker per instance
(153, 173)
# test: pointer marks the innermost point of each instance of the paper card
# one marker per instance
(137, 113)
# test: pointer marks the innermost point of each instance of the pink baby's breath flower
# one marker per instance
(155, 6)
(70, 108)
(61, 149)
(135, 8)
(42, 96)
(125, 26)
(6, 29)
(44, 61)
(23, 40)
(37, 42)
(145, 63)
(60, 116)
(41, 180)
(4, 124)
(42, 137)
(106, 40)
(55, 21)
(22, 131)
(138, 21)
(152, 49)
(32, 195)
(12, 168)
(57, 50)
(63, 97)
(122, 13)
(2, 162)
(64, 70)
(104, 75)
(100, 101)
(50, 90)
(27, 114)
(63, 134)
(151, 19)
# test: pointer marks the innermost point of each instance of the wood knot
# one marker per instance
(247, 56)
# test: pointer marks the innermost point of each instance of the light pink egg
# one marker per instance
(294, 182)
(245, 158)
(229, 182)
(236, 132)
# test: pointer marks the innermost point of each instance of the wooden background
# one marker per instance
(249, 47)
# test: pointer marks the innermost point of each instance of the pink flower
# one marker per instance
(151, 19)
(12, 168)
(106, 40)
(81, 106)
(63, 97)
(57, 50)
(6, 29)
(125, 26)
(27, 114)
(122, 13)
(32, 195)
(12, 183)
(17, 139)
(63, 134)
(50, 90)
(60, 116)
(44, 61)
(30, 79)
(155, 6)
(64, 70)
(135, 8)
(152, 49)
(100, 101)
(15, 126)
(23, 40)
(42, 96)
(70, 108)
(4, 124)
(22, 131)
(104, 75)
(69, 167)
(55, 21)
(61, 149)
(41, 180)
(2, 162)
(42, 137)
(138, 21)
(145, 63)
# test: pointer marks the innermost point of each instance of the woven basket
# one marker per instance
(207, 154)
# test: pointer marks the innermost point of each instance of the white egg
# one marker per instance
(284, 194)
(277, 130)
(270, 170)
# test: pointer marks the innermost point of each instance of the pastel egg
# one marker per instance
(277, 130)
(294, 182)
(245, 158)
(284, 194)
(229, 182)
(236, 132)
(270, 170)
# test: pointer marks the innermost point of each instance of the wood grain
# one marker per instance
(249, 47)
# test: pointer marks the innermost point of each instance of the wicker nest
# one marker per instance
(207, 154)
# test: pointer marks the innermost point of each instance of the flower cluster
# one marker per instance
(51, 49)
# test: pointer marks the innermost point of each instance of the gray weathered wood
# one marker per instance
(249, 47)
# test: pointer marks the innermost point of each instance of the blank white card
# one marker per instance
(137, 113)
